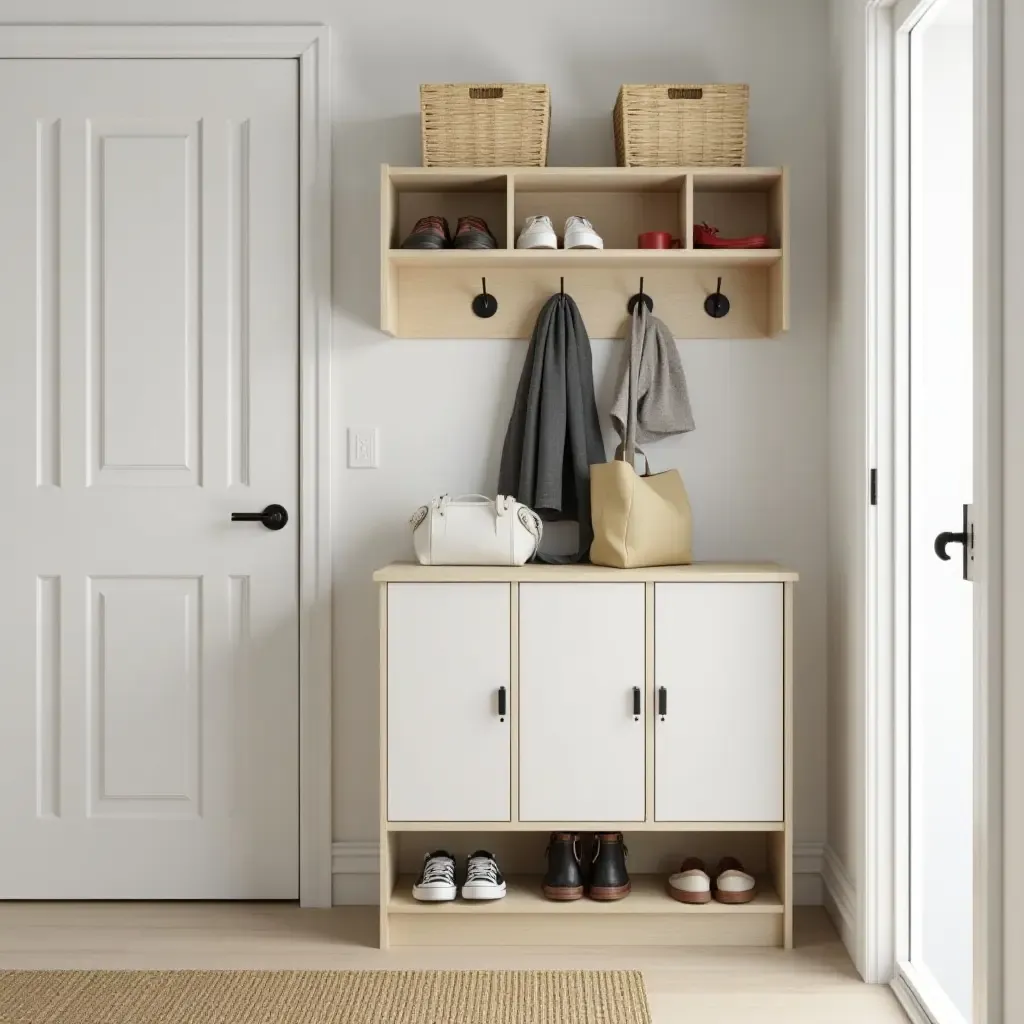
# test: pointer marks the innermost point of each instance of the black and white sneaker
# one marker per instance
(483, 879)
(436, 883)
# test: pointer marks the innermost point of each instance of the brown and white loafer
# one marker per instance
(732, 883)
(691, 883)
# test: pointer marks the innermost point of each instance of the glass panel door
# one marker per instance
(935, 389)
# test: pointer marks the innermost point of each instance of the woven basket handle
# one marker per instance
(488, 92)
(690, 92)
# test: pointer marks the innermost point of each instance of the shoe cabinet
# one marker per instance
(520, 701)
(428, 294)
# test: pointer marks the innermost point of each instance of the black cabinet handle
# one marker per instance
(502, 703)
(662, 701)
(636, 701)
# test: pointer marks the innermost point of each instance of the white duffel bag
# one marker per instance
(473, 529)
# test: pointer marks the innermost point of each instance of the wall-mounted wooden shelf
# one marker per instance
(428, 294)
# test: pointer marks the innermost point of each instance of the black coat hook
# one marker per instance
(717, 304)
(640, 297)
(561, 286)
(485, 305)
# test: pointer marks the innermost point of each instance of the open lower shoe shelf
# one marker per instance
(429, 293)
(524, 896)
(648, 916)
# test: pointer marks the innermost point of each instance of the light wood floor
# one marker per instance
(815, 982)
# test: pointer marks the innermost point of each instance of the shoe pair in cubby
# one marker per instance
(482, 879)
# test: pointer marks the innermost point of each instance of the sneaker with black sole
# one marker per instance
(473, 233)
(428, 233)
(436, 883)
(484, 880)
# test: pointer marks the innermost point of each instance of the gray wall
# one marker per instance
(755, 467)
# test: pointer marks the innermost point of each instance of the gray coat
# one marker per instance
(554, 435)
(657, 384)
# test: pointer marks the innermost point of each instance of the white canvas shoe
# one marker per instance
(537, 233)
(580, 234)
(484, 880)
(436, 883)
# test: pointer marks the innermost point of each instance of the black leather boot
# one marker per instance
(609, 879)
(564, 878)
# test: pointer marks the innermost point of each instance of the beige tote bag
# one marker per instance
(638, 520)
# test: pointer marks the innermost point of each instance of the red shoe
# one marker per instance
(706, 237)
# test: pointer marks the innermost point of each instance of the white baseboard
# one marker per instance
(355, 874)
(840, 899)
(808, 888)
(355, 879)
(907, 998)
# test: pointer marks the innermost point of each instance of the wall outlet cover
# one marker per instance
(363, 447)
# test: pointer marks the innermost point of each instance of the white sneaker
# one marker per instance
(580, 234)
(436, 883)
(537, 233)
(483, 879)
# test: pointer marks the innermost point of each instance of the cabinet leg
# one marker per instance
(388, 879)
(780, 865)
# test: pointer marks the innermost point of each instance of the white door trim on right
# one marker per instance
(879, 937)
(309, 46)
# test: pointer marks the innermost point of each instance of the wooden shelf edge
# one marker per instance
(649, 897)
(706, 572)
(603, 258)
(585, 826)
(551, 178)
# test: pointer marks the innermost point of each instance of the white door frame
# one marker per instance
(309, 44)
(881, 933)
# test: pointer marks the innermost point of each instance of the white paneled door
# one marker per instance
(148, 389)
(581, 702)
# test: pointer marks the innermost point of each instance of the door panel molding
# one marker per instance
(309, 45)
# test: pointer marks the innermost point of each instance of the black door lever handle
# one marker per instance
(273, 517)
(963, 536)
(946, 538)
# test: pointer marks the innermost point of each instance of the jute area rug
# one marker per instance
(323, 997)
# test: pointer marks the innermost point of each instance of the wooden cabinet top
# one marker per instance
(699, 572)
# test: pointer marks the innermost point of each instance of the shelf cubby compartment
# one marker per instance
(428, 294)
(648, 916)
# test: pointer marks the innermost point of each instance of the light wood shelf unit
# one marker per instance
(427, 293)
(524, 896)
(648, 916)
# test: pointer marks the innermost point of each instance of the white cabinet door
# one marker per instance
(581, 749)
(449, 656)
(149, 734)
(718, 652)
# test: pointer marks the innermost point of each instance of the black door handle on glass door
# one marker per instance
(662, 702)
(273, 517)
(947, 537)
(502, 703)
(636, 703)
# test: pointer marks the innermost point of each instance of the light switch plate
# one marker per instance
(363, 448)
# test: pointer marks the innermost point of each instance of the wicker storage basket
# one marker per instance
(681, 125)
(485, 125)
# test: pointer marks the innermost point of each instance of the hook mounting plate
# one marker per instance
(485, 305)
